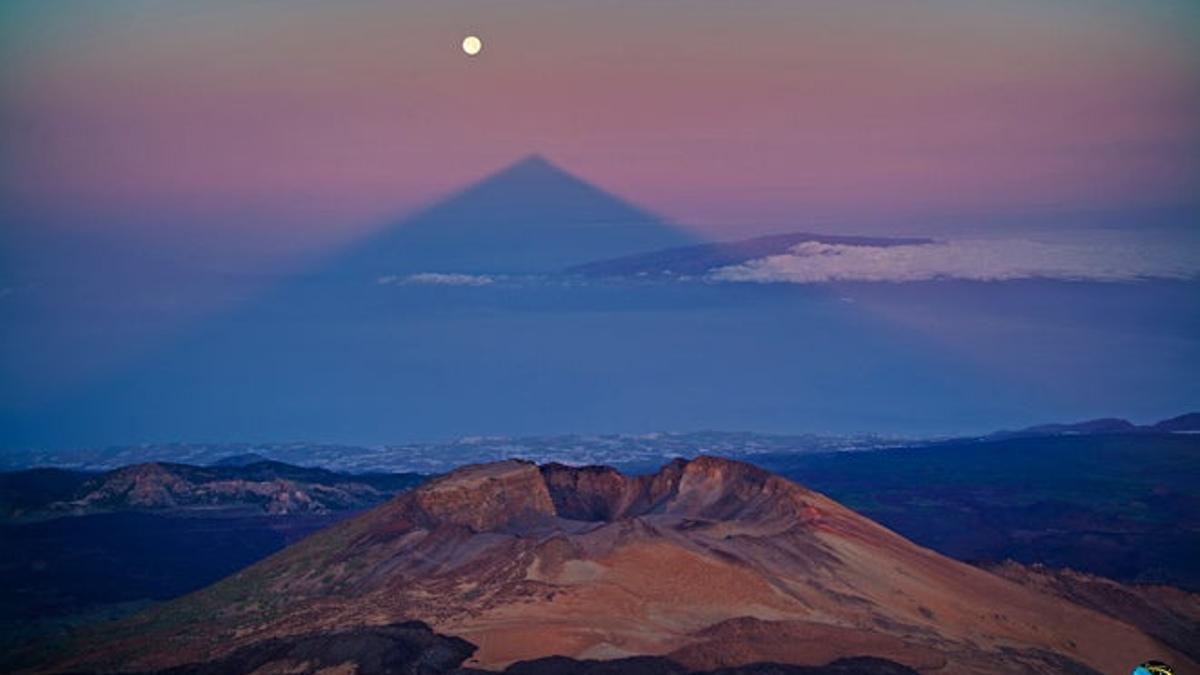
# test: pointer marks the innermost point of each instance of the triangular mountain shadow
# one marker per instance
(329, 352)
(333, 355)
(531, 217)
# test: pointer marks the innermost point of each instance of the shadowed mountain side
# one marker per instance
(710, 562)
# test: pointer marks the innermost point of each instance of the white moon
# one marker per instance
(471, 45)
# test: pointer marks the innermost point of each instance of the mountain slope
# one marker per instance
(1169, 614)
(714, 562)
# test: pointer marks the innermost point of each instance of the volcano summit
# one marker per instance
(710, 562)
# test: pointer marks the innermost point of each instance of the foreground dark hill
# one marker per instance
(709, 562)
(412, 647)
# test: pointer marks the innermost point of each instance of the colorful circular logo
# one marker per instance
(1153, 668)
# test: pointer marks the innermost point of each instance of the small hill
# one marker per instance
(264, 486)
(1188, 422)
(1104, 425)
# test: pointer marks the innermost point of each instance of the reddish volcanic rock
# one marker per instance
(591, 494)
(486, 496)
(1168, 614)
(713, 561)
(705, 488)
(142, 485)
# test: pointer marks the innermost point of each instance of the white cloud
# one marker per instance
(972, 259)
(437, 279)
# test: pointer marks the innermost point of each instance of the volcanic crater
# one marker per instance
(710, 562)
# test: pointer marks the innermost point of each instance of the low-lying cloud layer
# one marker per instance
(437, 279)
(971, 259)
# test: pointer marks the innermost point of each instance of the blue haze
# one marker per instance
(334, 355)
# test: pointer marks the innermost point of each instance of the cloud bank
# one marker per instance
(437, 279)
(971, 259)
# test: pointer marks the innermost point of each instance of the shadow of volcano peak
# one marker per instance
(530, 217)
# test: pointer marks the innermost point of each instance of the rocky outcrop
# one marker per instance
(486, 496)
(268, 487)
(706, 488)
(589, 494)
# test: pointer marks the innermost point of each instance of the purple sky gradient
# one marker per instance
(308, 122)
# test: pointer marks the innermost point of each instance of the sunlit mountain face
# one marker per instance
(708, 562)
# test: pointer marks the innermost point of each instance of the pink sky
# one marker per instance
(318, 120)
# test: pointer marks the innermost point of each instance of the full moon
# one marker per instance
(471, 45)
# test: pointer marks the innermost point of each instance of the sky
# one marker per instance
(719, 115)
(162, 162)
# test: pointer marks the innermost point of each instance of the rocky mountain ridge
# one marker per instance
(710, 562)
(262, 486)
